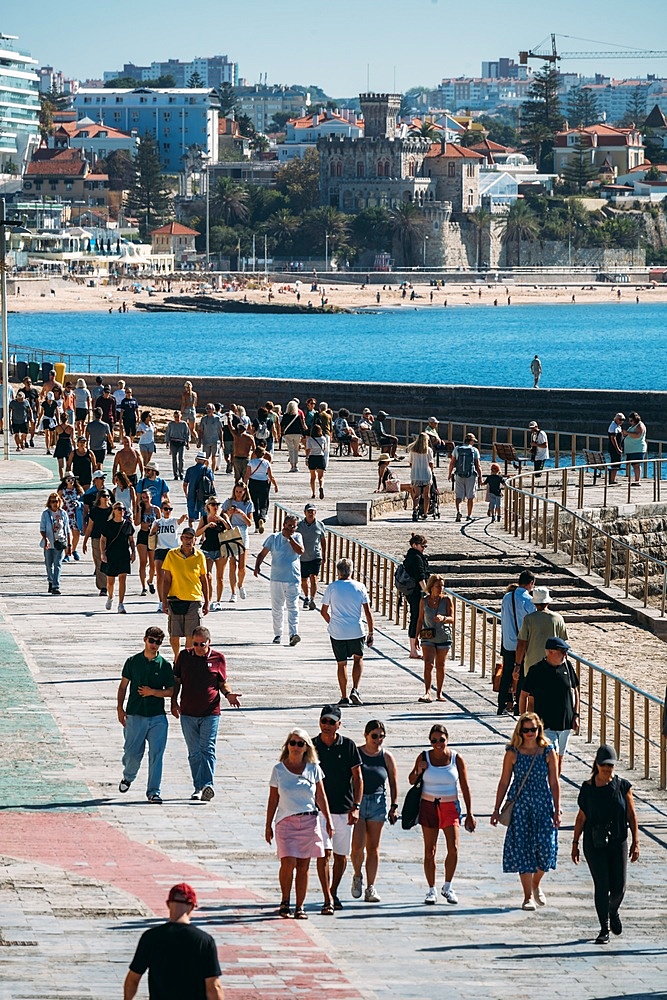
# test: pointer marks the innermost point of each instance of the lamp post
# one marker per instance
(327, 237)
(5, 223)
(425, 241)
(208, 216)
(254, 259)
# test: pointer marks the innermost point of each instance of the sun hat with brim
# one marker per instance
(541, 595)
(152, 466)
(385, 457)
(200, 456)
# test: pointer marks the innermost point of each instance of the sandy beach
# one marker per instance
(57, 295)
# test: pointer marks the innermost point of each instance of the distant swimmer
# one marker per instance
(536, 369)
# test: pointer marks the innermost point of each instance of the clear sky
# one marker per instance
(337, 44)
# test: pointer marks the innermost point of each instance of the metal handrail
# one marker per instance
(526, 516)
(65, 357)
(632, 719)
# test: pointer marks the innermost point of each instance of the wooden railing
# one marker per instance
(532, 515)
(613, 710)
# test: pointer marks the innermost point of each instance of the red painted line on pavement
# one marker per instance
(83, 844)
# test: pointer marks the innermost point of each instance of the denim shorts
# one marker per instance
(212, 554)
(374, 807)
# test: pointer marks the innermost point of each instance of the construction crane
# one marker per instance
(554, 56)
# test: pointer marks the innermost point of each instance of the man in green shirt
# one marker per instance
(536, 628)
(150, 680)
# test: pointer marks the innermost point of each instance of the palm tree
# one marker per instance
(407, 225)
(282, 226)
(229, 201)
(426, 130)
(320, 223)
(520, 223)
(480, 219)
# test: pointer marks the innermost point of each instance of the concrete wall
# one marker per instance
(585, 411)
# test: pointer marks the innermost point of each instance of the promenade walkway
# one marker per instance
(85, 870)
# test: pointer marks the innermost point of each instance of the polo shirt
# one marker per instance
(140, 672)
(311, 536)
(536, 628)
(200, 678)
(186, 573)
(337, 762)
(345, 600)
(285, 562)
(551, 689)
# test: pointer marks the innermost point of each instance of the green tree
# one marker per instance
(131, 83)
(247, 126)
(497, 131)
(579, 169)
(229, 202)
(480, 219)
(653, 174)
(148, 197)
(45, 117)
(635, 111)
(427, 130)
(371, 230)
(195, 80)
(408, 225)
(120, 167)
(260, 143)
(519, 224)
(299, 181)
(282, 227)
(279, 120)
(541, 115)
(320, 222)
(582, 107)
(227, 100)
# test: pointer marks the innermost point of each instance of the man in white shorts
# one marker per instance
(465, 460)
(341, 763)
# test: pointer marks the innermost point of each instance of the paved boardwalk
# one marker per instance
(84, 870)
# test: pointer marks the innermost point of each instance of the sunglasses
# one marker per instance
(377, 736)
(440, 740)
(213, 503)
(328, 722)
(297, 743)
(153, 642)
(167, 508)
(204, 642)
(529, 729)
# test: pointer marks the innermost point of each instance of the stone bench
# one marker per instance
(353, 511)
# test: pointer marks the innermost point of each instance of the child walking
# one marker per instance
(494, 491)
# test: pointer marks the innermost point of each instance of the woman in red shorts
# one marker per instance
(443, 769)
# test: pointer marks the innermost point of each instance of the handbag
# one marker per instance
(152, 542)
(231, 543)
(427, 633)
(505, 815)
(411, 802)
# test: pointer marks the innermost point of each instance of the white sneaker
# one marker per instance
(108, 603)
(539, 896)
(121, 609)
(371, 896)
(431, 897)
(242, 593)
(196, 796)
(232, 599)
(528, 904)
(357, 886)
(450, 895)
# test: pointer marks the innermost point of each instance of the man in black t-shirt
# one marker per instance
(341, 763)
(182, 960)
(552, 687)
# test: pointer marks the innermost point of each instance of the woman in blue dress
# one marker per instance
(530, 771)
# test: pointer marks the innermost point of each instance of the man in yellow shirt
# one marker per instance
(186, 585)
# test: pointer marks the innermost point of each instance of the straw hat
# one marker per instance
(384, 457)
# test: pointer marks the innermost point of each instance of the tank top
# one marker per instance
(124, 497)
(210, 541)
(443, 631)
(636, 446)
(374, 771)
(82, 467)
(442, 782)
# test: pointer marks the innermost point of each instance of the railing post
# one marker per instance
(484, 645)
(556, 518)
(647, 739)
(473, 639)
(463, 634)
(617, 717)
(631, 749)
(603, 708)
(589, 712)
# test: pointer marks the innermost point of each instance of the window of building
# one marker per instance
(412, 168)
(119, 100)
(166, 116)
(332, 170)
(172, 100)
(339, 169)
(471, 199)
(54, 186)
(451, 170)
(166, 145)
(27, 186)
(87, 100)
(117, 116)
(68, 185)
(360, 169)
(143, 100)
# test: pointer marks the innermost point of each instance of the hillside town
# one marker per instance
(182, 165)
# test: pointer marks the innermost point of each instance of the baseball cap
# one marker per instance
(366, 410)
(50, 395)
(182, 893)
(541, 595)
(433, 420)
(188, 531)
(605, 755)
(555, 642)
(533, 423)
(200, 456)
(331, 712)
(309, 506)
(107, 388)
(98, 474)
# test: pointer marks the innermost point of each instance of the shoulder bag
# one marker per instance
(412, 801)
(505, 815)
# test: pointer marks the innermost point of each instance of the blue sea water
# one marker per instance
(611, 346)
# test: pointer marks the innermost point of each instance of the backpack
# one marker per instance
(204, 489)
(403, 582)
(263, 433)
(465, 462)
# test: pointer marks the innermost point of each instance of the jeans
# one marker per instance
(259, 494)
(140, 730)
(285, 594)
(176, 448)
(54, 559)
(609, 867)
(200, 735)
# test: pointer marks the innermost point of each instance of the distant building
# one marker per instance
(260, 103)
(611, 150)
(175, 239)
(19, 104)
(65, 174)
(231, 142)
(51, 79)
(213, 71)
(302, 133)
(177, 118)
(97, 140)
(505, 69)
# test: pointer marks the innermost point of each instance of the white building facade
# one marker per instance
(19, 104)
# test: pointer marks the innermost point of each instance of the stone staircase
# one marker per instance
(485, 581)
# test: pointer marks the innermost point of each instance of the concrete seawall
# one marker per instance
(585, 411)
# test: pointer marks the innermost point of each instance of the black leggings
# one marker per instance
(259, 494)
(509, 659)
(608, 867)
(414, 600)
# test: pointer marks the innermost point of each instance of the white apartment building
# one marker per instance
(19, 104)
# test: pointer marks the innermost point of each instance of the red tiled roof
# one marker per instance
(73, 130)
(174, 229)
(307, 120)
(492, 147)
(57, 168)
(454, 151)
(607, 135)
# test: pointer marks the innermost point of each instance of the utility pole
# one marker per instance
(4, 224)
(208, 216)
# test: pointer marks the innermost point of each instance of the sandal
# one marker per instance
(284, 909)
(300, 913)
(327, 910)
(425, 697)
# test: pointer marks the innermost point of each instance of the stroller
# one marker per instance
(433, 504)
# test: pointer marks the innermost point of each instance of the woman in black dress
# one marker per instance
(117, 551)
(97, 519)
(64, 435)
(606, 810)
(416, 564)
(82, 463)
